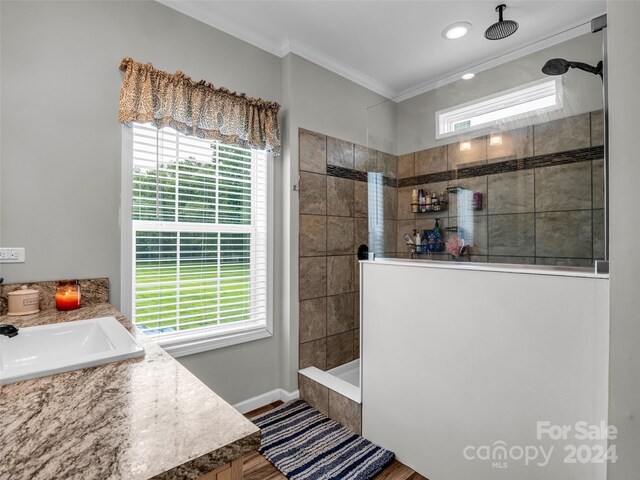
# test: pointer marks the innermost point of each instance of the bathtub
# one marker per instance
(344, 379)
(336, 393)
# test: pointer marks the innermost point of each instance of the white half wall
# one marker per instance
(454, 358)
(624, 196)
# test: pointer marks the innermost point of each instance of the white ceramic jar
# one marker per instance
(24, 301)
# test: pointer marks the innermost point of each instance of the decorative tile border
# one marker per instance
(357, 175)
(560, 158)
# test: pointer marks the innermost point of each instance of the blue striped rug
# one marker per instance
(306, 445)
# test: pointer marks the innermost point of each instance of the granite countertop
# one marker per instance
(136, 419)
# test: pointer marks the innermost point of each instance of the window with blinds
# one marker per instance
(199, 235)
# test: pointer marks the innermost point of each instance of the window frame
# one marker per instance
(188, 342)
(443, 117)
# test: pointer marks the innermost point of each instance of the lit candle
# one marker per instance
(68, 295)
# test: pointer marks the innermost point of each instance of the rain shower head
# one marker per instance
(501, 29)
(560, 66)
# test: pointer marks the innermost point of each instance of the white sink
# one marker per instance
(62, 347)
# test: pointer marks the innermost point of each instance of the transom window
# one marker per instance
(199, 238)
(514, 104)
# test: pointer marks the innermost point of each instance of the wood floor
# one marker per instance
(256, 467)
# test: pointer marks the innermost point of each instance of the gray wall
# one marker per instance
(61, 150)
(624, 362)
(582, 93)
(61, 144)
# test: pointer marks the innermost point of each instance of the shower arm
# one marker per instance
(597, 70)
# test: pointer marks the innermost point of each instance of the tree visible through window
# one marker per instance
(199, 217)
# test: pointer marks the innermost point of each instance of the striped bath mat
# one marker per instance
(306, 445)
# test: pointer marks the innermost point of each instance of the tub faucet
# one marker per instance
(8, 330)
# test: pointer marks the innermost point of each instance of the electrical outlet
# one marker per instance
(12, 255)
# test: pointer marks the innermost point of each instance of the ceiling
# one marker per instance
(394, 48)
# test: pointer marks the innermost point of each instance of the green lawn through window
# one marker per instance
(201, 297)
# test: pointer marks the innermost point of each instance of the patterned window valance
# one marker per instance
(197, 108)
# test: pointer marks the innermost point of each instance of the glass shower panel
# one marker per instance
(375, 196)
(507, 167)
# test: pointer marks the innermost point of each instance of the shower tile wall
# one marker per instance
(334, 405)
(539, 205)
(333, 223)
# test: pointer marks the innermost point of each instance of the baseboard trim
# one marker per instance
(265, 399)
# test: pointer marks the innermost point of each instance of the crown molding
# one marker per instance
(579, 28)
(341, 69)
(279, 48)
(233, 28)
(287, 45)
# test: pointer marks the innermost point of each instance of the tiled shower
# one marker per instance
(542, 203)
(542, 191)
(333, 223)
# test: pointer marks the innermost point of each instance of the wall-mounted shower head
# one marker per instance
(560, 66)
(501, 29)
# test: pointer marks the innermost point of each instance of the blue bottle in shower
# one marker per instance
(435, 238)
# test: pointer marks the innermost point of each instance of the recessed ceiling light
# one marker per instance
(468, 76)
(456, 30)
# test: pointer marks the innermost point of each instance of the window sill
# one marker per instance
(202, 342)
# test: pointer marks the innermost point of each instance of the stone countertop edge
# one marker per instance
(138, 419)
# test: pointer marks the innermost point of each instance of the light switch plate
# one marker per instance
(12, 255)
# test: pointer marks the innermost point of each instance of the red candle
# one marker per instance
(68, 295)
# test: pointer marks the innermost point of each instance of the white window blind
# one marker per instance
(199, 235)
